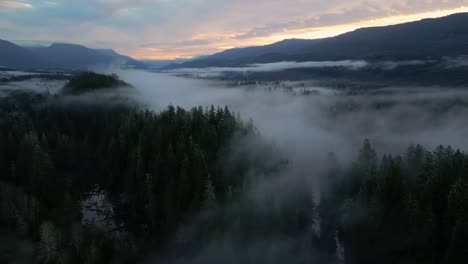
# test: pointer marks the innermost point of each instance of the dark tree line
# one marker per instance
(401, 209)
(91, 81)
(158, 169)
(161, 172)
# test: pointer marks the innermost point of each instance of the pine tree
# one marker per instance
(49, 242)
(184, 191)
(209, 198)
(428, 173)
(367, 160)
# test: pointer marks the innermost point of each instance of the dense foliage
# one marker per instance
(90, 81)
(155, 169)
(112, 183)
(403, 209)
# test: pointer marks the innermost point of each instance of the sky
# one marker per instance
(169, 29)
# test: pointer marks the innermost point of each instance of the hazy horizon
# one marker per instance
(156, 29)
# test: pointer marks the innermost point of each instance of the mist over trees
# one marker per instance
(90, 81)
(398, 209)
(89, 180)
(156, 169)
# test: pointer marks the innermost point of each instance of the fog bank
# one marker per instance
(305, 128)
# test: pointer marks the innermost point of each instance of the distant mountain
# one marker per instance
(429, 38)
(119, 58)
(70, 56)
(157, 64)
(14, 56)
(60, 56)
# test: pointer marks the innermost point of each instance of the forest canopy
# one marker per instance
(91, 81)
(114, 182)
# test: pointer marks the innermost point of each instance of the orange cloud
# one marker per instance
(324, 32)
(227, 40)
(14, 4)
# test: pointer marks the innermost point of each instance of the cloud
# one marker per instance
(456, 62)
(305, 129)
(14, 4)
(273, 67)
(191, 42)
(184, 28)
(355, 11)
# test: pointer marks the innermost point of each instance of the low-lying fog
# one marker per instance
(306, 123)
(385, 65)
(306, 126)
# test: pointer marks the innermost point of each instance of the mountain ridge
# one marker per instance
(60, 56)
(435, 37)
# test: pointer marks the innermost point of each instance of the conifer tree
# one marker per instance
(209, 198)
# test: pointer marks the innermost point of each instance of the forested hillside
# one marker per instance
(399, 209)
(90, 81)
(115, 183)
(156, 169)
